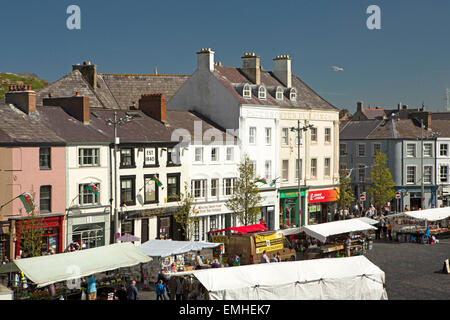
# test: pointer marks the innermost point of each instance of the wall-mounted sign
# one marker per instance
(150, 156)
(322, 196)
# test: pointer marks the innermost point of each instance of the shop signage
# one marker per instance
(271, 242)
(209, 208)
(322, 196)
(150, 158)
(291, 194)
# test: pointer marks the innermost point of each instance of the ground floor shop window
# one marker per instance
(127, 227)
(314, 213)
(164, 228)
(89, 235)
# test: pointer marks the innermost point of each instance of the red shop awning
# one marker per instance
(244, 229)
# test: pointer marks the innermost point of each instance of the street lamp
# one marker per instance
(299, 129)
(115, 122)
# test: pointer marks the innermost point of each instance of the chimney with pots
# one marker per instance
(399, 106)
(205, 59)
(22, 97)
(89, 72)
(251, 67)
(154, 105)
(359, 106)
(282, 69)
(76, 106)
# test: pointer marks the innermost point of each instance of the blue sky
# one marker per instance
(407, 61)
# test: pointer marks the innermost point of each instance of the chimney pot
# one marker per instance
(205, 59)
(23, 99)
(282, 70)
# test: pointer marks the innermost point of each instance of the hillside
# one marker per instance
(10, 79)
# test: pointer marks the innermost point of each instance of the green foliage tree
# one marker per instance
(245, 201)
(345, 194)
(184, 216)
(381, 189)
(31, 233)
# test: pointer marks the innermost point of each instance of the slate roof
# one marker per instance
(233, 79)
(114, 91)
(357, 129)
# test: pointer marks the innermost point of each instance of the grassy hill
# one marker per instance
(10, 79)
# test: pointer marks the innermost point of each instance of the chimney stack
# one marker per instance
(89, 72)
(251, 67)
(359, 106)
(399, 106)
(282, 69)
(22, 97)
(76, 106)
(205, 59)
(154, 105)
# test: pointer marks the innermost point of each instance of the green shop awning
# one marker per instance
(49, 269)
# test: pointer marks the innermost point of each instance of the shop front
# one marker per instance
(321, 205)
(88, 230)
(50, 229)
(290, 215)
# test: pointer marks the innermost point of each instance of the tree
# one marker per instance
(31, 235)
(183, 216)
(245, 200)
(345, 194)
(382, 188)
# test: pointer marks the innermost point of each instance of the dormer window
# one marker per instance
(279, 93)
(246, 92)
(261, 92)
(293, 94)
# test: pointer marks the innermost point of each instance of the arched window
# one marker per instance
(261, 92)
(246, 92)
(279, 93)
(293, 94)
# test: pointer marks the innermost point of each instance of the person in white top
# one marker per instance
(264, 258)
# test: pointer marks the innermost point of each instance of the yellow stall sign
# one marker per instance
(270, 242)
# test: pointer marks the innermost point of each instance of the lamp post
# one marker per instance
(115, 122)
(299, 129)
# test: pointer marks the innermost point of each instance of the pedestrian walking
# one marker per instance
(278, 257)
(160, 290)
(389, 230)
(264, 258)
(180, 288)
(172, 286)
(132, 291)
(92, 288)
(121, 293)
(384, 226)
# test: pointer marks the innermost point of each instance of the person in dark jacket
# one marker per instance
(132, 291)
(121, 294)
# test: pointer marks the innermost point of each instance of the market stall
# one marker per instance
(47, 277)
(353, 278)
(174, 256)
(412, 226)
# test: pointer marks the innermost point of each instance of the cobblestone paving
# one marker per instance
(413, 271)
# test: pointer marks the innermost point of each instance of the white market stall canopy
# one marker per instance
(323, 230)
(291, 231)
(435, 214)
(353, 278)
(49, 269)
(166, 248)
(368, 220)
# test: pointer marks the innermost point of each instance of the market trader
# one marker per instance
(92, 288)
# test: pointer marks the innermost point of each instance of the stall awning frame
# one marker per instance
(323, 230)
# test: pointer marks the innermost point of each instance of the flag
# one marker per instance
(273, 182)
(92, 187)
(262, 180)
(158, 183)
(28, 201)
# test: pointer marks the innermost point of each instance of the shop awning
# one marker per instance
(166, 248)
(244, 229)
(49, 269)
(353, 278)
(323, 230)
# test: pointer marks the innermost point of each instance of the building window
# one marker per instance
(268, 136)
(376, 148)
(89, 235)
(268, 169)
(199, 154)
(214, 187)
(443, 150)
(173, 187)
(327, 167)
(313, 168)
(127, 191)
(410, 150)
(151, 189)
(285, 170)
(410, 175)
(279, 93)
(361, 150)
(443, 174)
(89, 157)
(246, 92)
(45, 195)
(361, 173)
(126, 158)
(285, 136)
(44, 158)
(262, 92)
(230, 154)
(252, 135)
(228, 186)
(196, 230)
(298, 169)
(198, 188)
(327, 135)
(342, 168)
(314, 134)
(214, 154)
(427, 172)
(427, 150)
(212, 223)
(173, 156)
(342, 149)
(253, 163)
(293, 94)
(87, 195)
